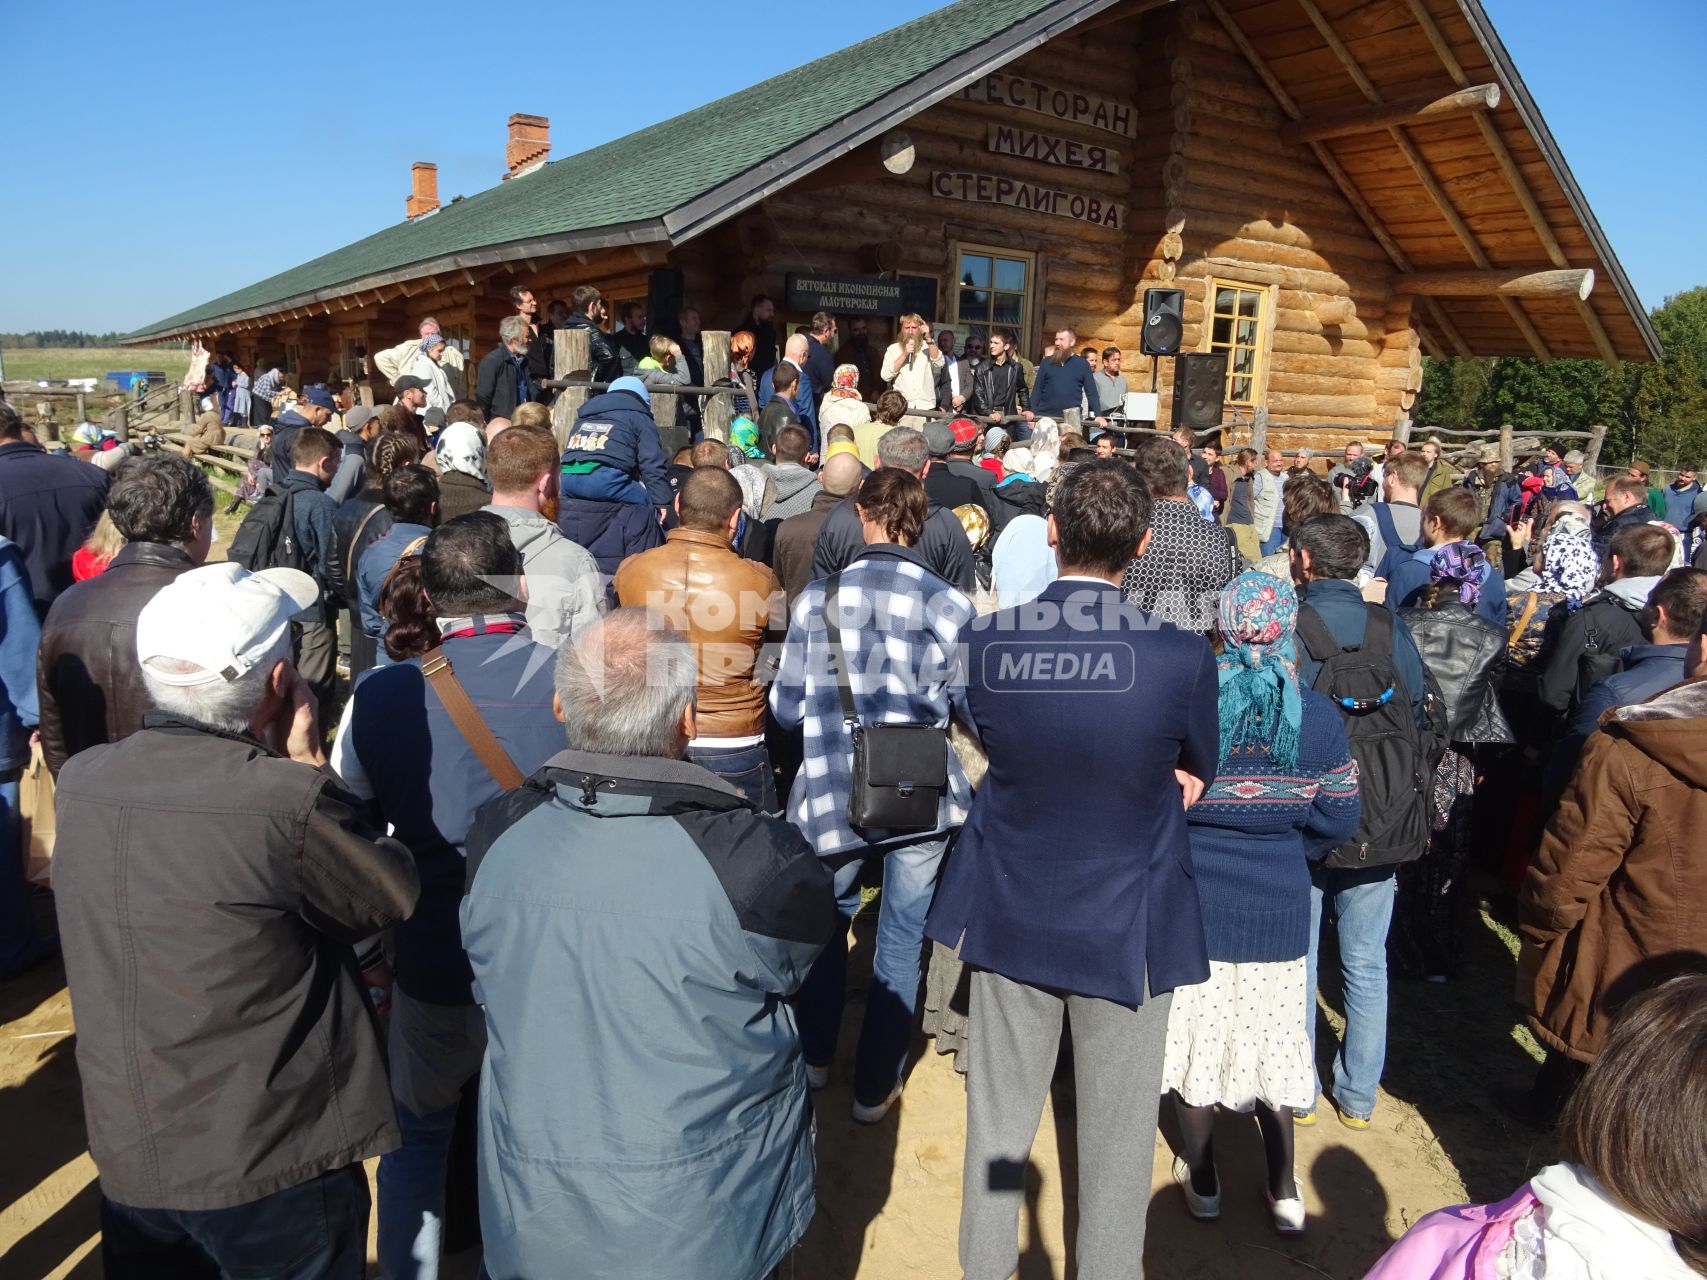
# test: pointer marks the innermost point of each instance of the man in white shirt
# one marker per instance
(911, 364)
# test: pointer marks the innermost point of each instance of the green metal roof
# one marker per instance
(642, 177)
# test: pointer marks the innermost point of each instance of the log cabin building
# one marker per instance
(1337, 186)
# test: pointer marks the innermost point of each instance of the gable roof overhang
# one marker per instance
(1319, 57)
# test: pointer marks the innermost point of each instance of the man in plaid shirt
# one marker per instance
(261, 396)
(900, 626)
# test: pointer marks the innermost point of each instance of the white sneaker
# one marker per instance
(1203, 1208)
(816, 1077)
(1288, 1215)
(871, 1115)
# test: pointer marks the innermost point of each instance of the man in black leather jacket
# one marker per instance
(87, 677)
(998, 383)
(588, 310)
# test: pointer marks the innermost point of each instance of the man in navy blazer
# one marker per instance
(1070, 890)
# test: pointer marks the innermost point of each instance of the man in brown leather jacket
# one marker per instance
(90, 687)
(728, 606)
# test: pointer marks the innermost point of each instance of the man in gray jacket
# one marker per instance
(564, 592)
(214, 885)
(621, 900)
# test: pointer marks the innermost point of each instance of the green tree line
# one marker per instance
(57, 338)
(1657, 412)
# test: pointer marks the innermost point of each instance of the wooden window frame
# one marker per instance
(1029, 311)
(1264, 347)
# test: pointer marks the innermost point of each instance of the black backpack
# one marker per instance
(267, 537)
(1393, 757)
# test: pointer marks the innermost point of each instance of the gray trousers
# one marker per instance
(1117, 1070)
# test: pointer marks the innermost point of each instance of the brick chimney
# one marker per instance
(425, 196)
(529, 146)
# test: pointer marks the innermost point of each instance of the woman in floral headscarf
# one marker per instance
(1565, 572)
(1465, 653)
(1285, 792)
(841, 405)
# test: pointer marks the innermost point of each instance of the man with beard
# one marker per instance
(857, 352)
(1065, 381)
(761, 323)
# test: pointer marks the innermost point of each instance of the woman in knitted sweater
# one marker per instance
(1285, 792)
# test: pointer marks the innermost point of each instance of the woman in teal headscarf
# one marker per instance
(1285, 792)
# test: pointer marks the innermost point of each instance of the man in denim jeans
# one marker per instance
(1327, 553)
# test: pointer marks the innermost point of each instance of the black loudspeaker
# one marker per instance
(663, 302)
(1200, 386)
(1164, 321)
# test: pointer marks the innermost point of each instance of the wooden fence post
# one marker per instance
(571, 352)
(663, 405)
(1259, 432)
(186, 407)
(718, 411)
(1596, 438)
(1402, 430)
(1506, 447)
(118, 422)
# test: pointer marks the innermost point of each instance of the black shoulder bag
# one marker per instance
(899, 770)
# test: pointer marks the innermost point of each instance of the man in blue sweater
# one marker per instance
(20, 635)
(1065, 381)
(400, 749)
(1327, 553)
(1452, 515)
(616, 483)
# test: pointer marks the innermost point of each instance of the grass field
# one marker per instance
(27, 364)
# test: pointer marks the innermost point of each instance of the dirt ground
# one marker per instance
(889, 1195)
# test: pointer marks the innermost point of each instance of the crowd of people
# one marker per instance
(548, 768)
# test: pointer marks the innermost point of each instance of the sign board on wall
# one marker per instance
(1021, 93)
(844, 295)
(989, 188)
(1010, 140)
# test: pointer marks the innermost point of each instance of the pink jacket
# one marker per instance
(1460, 1243)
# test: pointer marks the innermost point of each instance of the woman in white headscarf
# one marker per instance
(461, 458)
(429, 368)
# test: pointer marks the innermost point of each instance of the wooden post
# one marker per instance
(1071, 421)
(186, 407)
(572, 354)
(1506, 447)
(1259, 432)
(718, 411)
(118, 422)
(663, 405)
(82, 406)
(1402, 431)
(1596, 438)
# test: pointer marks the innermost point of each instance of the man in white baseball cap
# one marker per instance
(213, 884)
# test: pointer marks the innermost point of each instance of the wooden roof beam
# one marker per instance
(1602, 341)
(1379, 116)
(1571, 282)
(1437, 319)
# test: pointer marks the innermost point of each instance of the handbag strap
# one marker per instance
(356, 539)
(463, 714)
(844, 672)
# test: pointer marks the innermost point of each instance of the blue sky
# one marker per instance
(147, 170)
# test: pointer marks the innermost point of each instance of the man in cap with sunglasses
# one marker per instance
(219, 903)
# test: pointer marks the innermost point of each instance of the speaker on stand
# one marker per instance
(1200, 389)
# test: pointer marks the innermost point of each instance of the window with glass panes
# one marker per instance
(993, 292)
(1236, 328)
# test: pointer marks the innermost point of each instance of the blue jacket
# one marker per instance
(313, 512)
(1680, 504)
(1073, 870)
(616, 430)
(1344, 610)
(636, 930)
(20, 637)
(1410, 580)
(1059, 386)
(426, 782)
(371, 568)
(1255, 831)
(1648, 669)
(48, 504)
(804, 402)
